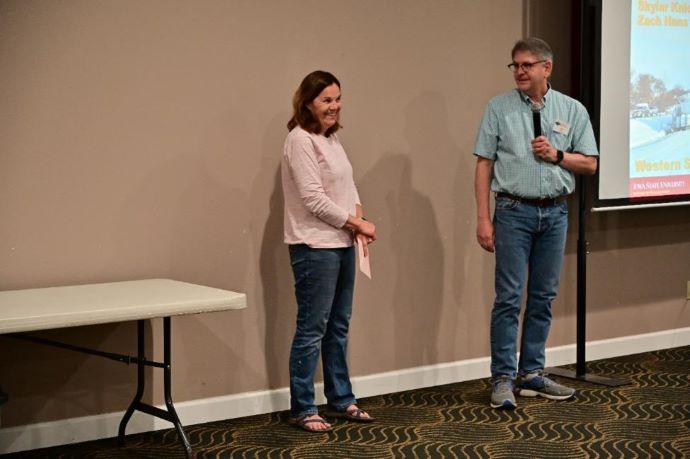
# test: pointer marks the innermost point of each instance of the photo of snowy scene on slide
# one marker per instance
(659, 98)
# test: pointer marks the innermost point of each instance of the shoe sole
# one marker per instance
(506, 405)
(534, 393)
(340, 415)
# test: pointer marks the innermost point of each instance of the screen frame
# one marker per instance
(590, 96)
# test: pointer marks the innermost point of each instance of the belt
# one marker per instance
(546, 202)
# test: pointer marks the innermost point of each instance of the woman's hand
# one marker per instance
(368, 229)
(361, 226)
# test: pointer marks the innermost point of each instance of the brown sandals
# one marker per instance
(356, 415)
(303, 423)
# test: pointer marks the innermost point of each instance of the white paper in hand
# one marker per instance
(363, 261)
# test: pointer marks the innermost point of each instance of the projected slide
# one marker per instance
(659, 98)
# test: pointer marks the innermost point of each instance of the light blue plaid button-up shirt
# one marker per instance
(505, 134)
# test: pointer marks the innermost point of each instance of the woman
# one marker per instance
(323, 217)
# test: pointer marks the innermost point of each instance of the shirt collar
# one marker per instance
(525, 98)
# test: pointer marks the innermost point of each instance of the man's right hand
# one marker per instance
(485, 235)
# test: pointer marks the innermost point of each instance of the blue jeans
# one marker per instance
(530, 242)
(324, 284)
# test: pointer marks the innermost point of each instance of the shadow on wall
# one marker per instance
(638, 228)
(413, 194)
(276, 281)
(473, 267)
(413, 262)
(48, 382)
(418, 296)
(638, 257)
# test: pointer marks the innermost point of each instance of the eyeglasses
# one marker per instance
(525, 66)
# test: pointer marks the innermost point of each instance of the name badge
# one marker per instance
(561, 127)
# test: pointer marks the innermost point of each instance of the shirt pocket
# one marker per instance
(559, 141)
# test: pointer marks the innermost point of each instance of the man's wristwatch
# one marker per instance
(559, 156)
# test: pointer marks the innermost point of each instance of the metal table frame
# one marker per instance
(26, 311)
(142, 362)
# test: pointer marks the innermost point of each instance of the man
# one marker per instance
(531, 175)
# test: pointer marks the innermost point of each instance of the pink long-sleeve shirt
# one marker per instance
(318, 189)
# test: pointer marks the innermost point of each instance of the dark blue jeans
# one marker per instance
(324, 284)
(530, 242)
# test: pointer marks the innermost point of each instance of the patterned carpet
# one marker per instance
(648, 418)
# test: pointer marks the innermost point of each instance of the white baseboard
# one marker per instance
(76, 430)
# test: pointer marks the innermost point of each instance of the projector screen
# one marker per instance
(644, 106)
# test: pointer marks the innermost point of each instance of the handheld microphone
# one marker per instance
(536, 117)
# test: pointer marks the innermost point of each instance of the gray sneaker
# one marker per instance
(537, 383)
(502, 395)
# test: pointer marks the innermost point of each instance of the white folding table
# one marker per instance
(29, 310)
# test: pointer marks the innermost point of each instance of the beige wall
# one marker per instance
(143, 139)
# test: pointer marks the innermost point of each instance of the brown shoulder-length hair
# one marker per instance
(308, 90)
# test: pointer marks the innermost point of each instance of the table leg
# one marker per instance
(141, 382)
(167, 387)
(169, 415)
